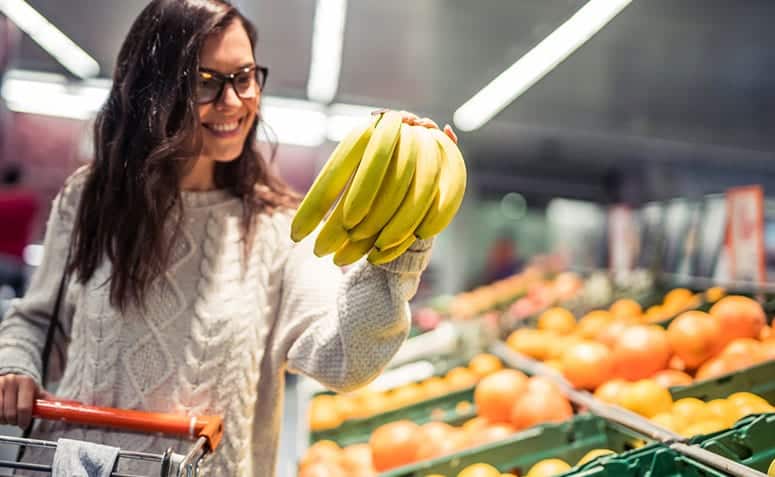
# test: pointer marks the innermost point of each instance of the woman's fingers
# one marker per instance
(17, 397)
(449, 132)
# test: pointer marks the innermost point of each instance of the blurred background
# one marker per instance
(603, 135)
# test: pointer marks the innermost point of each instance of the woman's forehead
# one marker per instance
(227, 50)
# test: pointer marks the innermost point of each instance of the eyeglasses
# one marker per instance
(247, 83)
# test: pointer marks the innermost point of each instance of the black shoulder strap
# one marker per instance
(53, 325)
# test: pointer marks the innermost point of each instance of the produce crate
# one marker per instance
(751, 442)
(655, 460)
(356, 431)
(568, 441)
(759, 380)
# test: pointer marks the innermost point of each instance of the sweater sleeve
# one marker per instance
(23, 329)
(343, 329)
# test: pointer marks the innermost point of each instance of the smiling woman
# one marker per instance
(186, 294)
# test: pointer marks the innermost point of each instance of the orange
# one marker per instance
(533, 343)
(742, 353)
(542, 384)
(434, 386)
(406, 395)
(739, 317)
(677, 299)
(641, 351)
(593, 323)
(537, 408)
(436, 440)
(714, 294)
(647, 398)
(694, 337)
(587, 365)
(557, 319)
(484, 364)
(721, 410)
(322, 469)
(493, 433)
(356, 459)
(668, 378)
(566, 285)
(322, 451)
(395, 444)
(712, 368)
(324, 414)
(669, 421)
(703, 427)
(611, 333)
(475, 424)
(463, 407)
(548, 468)
(626, 309)
(479, 470)
(460, 378)
(656, 313)
(495, 394)
(611, 391)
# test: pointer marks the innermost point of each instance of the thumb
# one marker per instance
(43, 394)
(449, 132)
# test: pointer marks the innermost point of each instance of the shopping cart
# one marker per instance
(207, 430)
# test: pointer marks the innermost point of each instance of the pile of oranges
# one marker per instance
(620, 343)
(507, 401)
(330, 411)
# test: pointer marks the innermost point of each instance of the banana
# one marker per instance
(333, 234)
(332, 178)
(378, 257)
(420, 195)
(394, 186)
(372, 169)
(452, 187)
(351, 251)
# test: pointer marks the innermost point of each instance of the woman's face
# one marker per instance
(226, 121)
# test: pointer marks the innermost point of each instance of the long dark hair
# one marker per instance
(146, 137)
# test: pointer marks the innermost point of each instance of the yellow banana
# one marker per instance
(331, 180)
(394, 186)
(372, 169)
(351, 251)
(452, 187)
(378, 257)
(420, 196)
(333, 234)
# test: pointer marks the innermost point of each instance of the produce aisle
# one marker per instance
(659, 381)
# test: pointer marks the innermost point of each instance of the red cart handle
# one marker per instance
(209, 427)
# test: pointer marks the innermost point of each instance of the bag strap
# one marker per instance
(53, 325)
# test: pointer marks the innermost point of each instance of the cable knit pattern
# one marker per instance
(216, 337)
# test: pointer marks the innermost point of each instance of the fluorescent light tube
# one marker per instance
(50, 38)
(327, 38)
(536, 63)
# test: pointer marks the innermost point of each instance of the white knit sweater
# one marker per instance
(212, 341)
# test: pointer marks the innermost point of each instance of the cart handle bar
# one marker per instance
(209, 427)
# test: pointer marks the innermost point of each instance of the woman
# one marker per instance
(187, 294)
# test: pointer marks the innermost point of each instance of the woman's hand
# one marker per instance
(17, 395)
(414, 120)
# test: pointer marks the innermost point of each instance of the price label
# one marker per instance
(745, 242)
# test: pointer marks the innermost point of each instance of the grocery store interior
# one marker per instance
(602, 302)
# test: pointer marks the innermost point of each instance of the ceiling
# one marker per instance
(665, 81)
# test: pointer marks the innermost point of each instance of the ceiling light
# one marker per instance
(327, 38)
(50, 38)
(536, 63)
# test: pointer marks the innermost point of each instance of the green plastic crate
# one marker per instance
(751, 442)
(759, 379)
(568, 441)
(655, 460)
(357, 431)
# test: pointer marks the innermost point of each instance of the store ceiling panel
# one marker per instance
(690, 74)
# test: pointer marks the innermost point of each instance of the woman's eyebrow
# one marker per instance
(212, 70)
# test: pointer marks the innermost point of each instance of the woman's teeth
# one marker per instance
(225, 127)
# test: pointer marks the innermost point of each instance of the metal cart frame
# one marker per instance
(206, 430)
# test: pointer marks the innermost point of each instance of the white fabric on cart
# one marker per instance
(83, 459)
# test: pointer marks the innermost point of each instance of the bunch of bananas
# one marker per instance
(396, 182)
